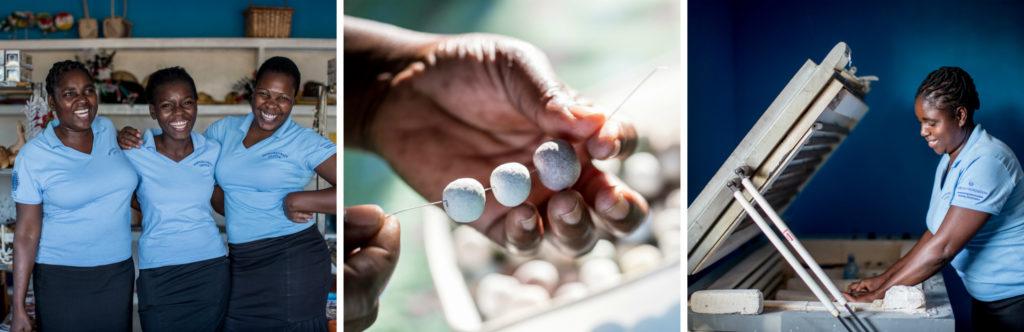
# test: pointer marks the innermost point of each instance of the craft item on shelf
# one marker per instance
(45, 22)
(63, 21)
(232, 98)
(114, 87)
(121, 75)
(37, 113)
(205, 99)
(268, 22)
(22, 19)
(8, 154)
(242, 90)
(87, 26)
(117, 26)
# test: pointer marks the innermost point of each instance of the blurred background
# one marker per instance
(603, 49)
(877, 184)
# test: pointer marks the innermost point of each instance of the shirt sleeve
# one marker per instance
(216, 130)
(319, 149)
(24, 188)
(985, 186)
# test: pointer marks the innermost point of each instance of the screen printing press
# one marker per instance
(800, 281)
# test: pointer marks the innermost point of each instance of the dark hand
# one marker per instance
(293, 214)
(129, 138)
(864, 296)
(371, 253)
(20, 322)
(866, 285)
(473, 102)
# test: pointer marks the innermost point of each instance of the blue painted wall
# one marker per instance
(183, 18)
(741, 54)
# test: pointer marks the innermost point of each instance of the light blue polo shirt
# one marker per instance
(985, 177)
(256, 179)
(177, 219)
(85, 197)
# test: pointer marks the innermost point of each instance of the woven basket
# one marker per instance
(268, 22)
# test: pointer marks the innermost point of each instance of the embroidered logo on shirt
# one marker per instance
(14, 182)
(972, 194)
(274, 155)
(203, 163)
(112, 151)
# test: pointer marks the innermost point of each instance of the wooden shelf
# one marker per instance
(171, 43)
(140, 109)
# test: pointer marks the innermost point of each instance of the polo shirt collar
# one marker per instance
(249, 118)
(149, 142)
(50, 135)
(975, 136)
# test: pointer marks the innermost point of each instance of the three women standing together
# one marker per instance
(74, 185)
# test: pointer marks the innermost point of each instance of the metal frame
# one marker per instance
(785, 148)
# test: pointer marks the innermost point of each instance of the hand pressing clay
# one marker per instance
(511, 184)
(903, 298)
(464, 200)
(557, 164)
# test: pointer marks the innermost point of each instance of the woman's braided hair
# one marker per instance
(949, 88)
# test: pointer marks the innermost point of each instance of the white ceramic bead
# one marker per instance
(642, 172)
(538, 272)
(557, 164)
(570, 292)
(527, 298)
(473, 250)
(639, 259)
(494, 293)
(510, 184)
(464, 200)
(599, 274)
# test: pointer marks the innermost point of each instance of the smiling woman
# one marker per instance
(280, 265)
(976, 214)
(74, 180)
(183, 268)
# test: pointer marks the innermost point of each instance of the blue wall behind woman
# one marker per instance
(741, 54)
(183, 18)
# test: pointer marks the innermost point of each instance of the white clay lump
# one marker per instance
(557, 164)
(511, 184)
(464, 200)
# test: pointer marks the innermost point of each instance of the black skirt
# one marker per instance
(72, 298)
(1002, 315)
(185, 297)
(280, 283)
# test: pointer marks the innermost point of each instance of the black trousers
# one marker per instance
(280, 284)
(185, 297)
(72, 298)
(1002, 315)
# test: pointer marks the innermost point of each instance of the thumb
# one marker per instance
(361, 224)
(553, 106)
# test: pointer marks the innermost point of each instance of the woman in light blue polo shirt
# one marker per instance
(280, 265)
(976, 215)
(72, 185)
(183, 267)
